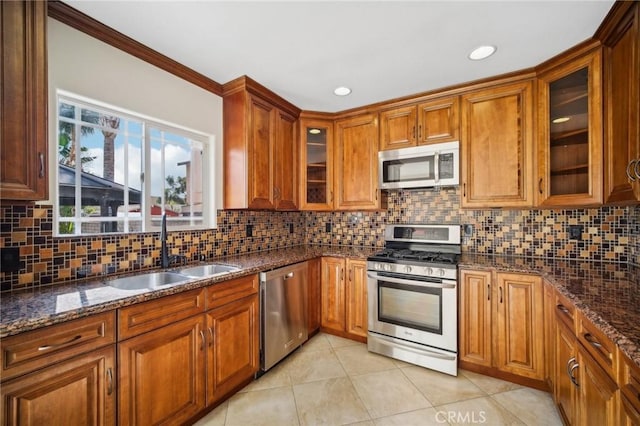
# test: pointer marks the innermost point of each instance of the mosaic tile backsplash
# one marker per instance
(609, 234)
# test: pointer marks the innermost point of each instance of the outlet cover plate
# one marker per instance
(575, 232)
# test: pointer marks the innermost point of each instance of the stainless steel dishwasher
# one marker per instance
(283, 312)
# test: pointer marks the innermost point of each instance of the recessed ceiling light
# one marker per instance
(482, 52)
(342, 91)
(314, 131)
(560, 120)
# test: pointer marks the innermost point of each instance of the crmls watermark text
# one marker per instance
(467, 417)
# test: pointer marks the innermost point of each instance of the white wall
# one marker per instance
(88, 67)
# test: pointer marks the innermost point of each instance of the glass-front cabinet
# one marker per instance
(316, 183)
(570, 133)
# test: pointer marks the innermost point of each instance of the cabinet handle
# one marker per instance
(540, 186)
(464, 189)
(289, 275)
(57, 345)
(210, 335)
(571, 376)
(331, 193)
(203, 342)
(563, 309)
(589, 338)
(488, 291)
(341, 274)
(636, 169)
(414, 131)
(109, 381)
(350, 271)
(420, 131)
(41, 157)
(500, 293)
(276, 193)
(634, 163)
(571, 361)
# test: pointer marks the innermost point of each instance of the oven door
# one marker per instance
(408, 308)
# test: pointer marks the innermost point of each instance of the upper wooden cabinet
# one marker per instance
(356, 163)
(432, 121)
(316, 164)
(620, 34)
(570, 131)
(260, 158)
(23, 108)
(496, 144)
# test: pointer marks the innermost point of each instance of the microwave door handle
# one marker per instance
(444, 284)
(436, 167)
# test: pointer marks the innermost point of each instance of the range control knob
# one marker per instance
(429, 271)
(388, 267)
(377, 266)
(407, 269)
(441, 272)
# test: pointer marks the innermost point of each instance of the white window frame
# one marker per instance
(208, 167)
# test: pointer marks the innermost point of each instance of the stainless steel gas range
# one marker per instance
(413, 303)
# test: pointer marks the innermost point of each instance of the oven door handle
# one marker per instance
(444, 284)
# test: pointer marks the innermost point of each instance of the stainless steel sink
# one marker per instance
(205, 271)
(152, 280)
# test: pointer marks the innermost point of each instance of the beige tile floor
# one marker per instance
(335, 381)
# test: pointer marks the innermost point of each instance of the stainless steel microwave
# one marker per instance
(420, 167)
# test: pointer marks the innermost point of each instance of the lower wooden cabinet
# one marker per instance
(597, 400)
(233, 353)
(80, 391)
(344, 297)
(162, 374)
(565, 358)
(629, 383)
(500, 325)
(314, 294)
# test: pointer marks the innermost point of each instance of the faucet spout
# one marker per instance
(164, 251)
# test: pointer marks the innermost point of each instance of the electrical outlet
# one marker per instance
(575, 232)
(468, 230)
(327, 227)
(249, 230)
(291, 228)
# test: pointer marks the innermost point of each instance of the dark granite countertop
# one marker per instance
(30, 309)
(608, 294)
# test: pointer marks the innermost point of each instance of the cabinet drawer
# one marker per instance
(629, 382)
(228, 291)
(147, 316)
(33, 350)
(565, 311)
(598, 345)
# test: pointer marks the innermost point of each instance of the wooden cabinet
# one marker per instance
(61, 374)
(500, 317)
(356, 163)
(80, 391)
(496, 144)
(344, 297)
(597, 401)
(23, 93)
(316, 164)
(570, 131)
(260, 159)
(314, 318)
(549, 334)
(629, 382)
(565, 393)
(620, 34)
(356, 294)
(433, 121)
(233, 354)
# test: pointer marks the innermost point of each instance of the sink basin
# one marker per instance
(153, 280)
(204, 271)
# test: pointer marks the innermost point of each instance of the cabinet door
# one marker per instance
(316, 164)
(598, 396)
(161, 374)
(475, 317)
(23, 93)
(233, 354)
(497, 147)
(564, 391)
(357, 297)
(570, 133)
(261, 146)
(549, 334)
(285, 165)
(79, 391)
(622, 107)
(313, 305)
(356, 163)
(518, 336)
(438, 121)
(398, 128)
(333, 293)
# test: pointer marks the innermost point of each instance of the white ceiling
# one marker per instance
(302, 50)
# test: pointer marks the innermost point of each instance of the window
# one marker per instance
(119, 172)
